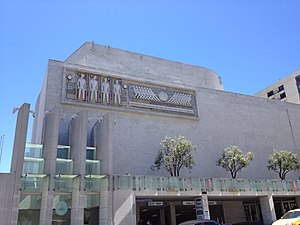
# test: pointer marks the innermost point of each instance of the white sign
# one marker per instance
(155, 203)
(188, 203)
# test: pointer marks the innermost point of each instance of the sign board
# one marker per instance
(155, 203)
(212, 202)
(188, 203)
(202, 210)
(199, 208)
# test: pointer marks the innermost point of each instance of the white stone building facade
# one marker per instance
(100, 117)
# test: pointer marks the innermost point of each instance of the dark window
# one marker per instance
(282, 95)
(90, 154)
(63, 153)
(270, 93)
(297, 79)
(298, 83)
(281, 88)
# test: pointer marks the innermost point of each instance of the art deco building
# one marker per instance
(99, 121)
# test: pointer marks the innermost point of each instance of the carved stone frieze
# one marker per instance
(109, 91)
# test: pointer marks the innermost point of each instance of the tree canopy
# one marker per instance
(233, 160)
(282, 162)
(175, 154)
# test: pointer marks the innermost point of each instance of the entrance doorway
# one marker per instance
(284, 205)
(185, 213)
(164, 212)
(216, 213)
(153, 215)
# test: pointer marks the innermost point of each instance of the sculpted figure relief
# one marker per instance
(117, 91)
(94, 89)
(81, 86)
(105, 91)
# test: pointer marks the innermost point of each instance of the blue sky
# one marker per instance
(249, 43)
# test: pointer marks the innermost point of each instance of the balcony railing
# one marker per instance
(32, 183)
(64, 166)
(63, 183)
(92, 167)
(33, 150)
(96, 183)
(170, 184)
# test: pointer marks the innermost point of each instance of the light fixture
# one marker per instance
(15, 110)
(33, 113)
(69, 77)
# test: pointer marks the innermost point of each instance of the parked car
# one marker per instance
(200, 222)
(292, 217)
(249, 223)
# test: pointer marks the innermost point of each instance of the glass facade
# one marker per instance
(153, 183)
(66, 185)
(33, 159)
(62, 209)
(29, 209)
(34, 182)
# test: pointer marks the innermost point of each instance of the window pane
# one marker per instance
(270, 93)
(62, 153)
(281, 88)
(90, 154)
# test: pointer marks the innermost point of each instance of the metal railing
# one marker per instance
(98, 183)
(186, 184)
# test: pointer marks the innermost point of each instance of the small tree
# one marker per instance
(233, 160)
(283, 162)
(174, 154)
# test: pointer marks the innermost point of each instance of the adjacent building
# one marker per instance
(286, 89)
(99, 121)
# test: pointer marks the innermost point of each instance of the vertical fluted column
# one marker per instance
(103, 136)
(51, 131)
(267, 208)
(78, 141)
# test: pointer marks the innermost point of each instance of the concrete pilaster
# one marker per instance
(18, 157)
(46, 212)
(105, 208)
(103, 136)
(162, 217)
(51, 130)
(173, 212)
(78, 203)
(298, 201)
(78, 141)
(267, 208)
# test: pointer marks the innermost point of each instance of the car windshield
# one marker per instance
(291, 215)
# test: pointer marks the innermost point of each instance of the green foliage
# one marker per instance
(283, 162)
(233, 160)
(174, 154)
